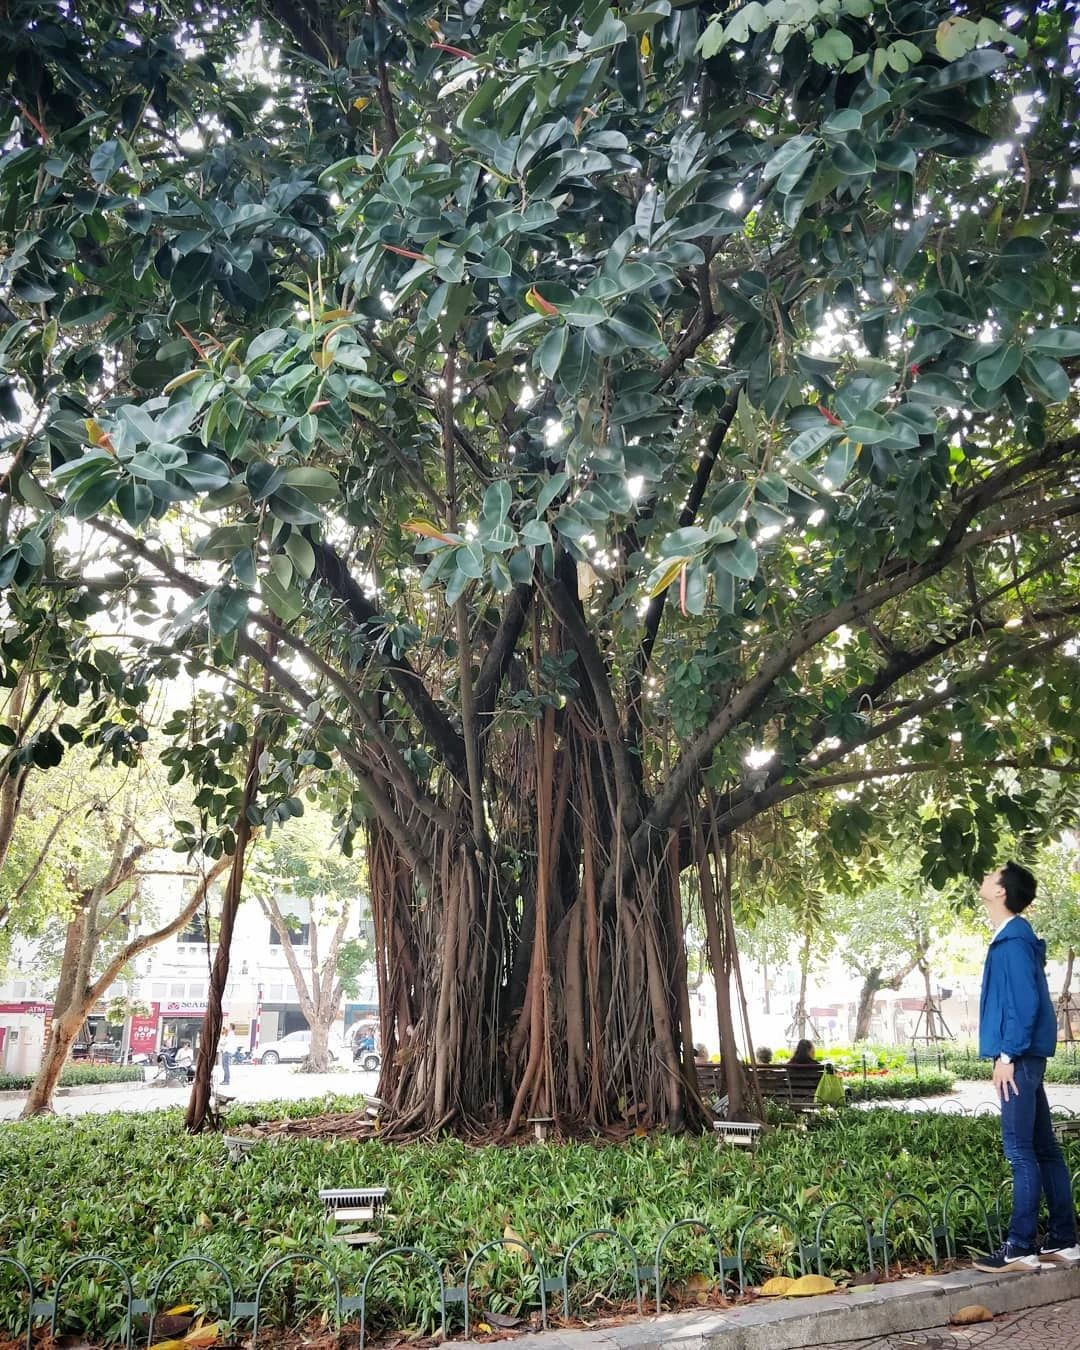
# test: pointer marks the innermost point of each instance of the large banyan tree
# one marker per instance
(560, 433)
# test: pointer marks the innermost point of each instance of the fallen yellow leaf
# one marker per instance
(206, 1335)
(511, 1235)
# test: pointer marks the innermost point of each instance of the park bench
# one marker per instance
(790, 1085)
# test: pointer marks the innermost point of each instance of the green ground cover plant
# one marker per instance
(1058, 1070)
(900, 1086)
(77, 1075)
(140, 1190)
(851, 1057)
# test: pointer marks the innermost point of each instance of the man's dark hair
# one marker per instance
(1019, 886)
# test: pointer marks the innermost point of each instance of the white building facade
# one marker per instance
(169, 988)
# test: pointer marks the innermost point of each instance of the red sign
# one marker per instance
(38, 1008)
(144, 1031)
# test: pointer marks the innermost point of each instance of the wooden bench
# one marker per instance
(790, 1085)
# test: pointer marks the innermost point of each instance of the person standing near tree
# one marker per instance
(1018, 1031)
(228, 1049)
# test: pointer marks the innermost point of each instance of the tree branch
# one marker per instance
(332, 571)
(140, 944)
(655, 609)
(566, 608)
(783, 658)
(270, 908)
(500, 651)
(845, 778)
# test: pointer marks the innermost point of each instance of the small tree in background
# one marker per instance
(300, 861)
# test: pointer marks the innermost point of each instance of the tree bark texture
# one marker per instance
(198, 1111)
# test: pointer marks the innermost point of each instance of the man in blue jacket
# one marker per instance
(1018, 1031)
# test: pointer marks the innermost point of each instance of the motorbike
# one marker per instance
(365, 1054)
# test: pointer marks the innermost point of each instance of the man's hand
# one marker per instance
(1005, 1080)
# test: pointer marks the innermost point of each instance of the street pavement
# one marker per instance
(249, 1083)
(979, 1096)
(262, 1083)
(1055, 1327)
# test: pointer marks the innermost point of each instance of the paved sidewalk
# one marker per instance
(1056, 1327)
(250, 1083)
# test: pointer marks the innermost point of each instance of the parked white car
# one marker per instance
(291, 1049)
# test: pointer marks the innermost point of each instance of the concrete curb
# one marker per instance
(914, 1304)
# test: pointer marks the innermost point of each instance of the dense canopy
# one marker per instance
(556, 434)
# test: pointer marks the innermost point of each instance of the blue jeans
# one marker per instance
(1036, 1161)
(226, 1060)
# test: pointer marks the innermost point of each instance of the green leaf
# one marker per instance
(469, 559)
(300, 554)
(611, 32)
(519, 328)
(318, 484)
(265, 342)
(135, 501)
(362, 385)
(738, 557)
(637, 328)
(795, 151)
(972, 67)
(956, 36)
(88, 502)
(854, 155)
(496, 263)
(685, 541)
(843, 120)
(105, 161)
(1055, 341)
(349, 355)
(549, 354)
(294, 507)
(279, 593)
(867, 428)
(497, 499)
(575, 362)
(553, 488)
(226, 610)
(833, 48)
(190, 274)
(85, 309)
(583, 312)
(535, 533)
(243, 566)
(839, 463)
(1048, 376)
(997, 369)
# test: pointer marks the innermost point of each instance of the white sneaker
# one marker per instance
(1067, 1256)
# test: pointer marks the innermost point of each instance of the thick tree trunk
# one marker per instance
(198, 1111)
(58, 1043)
(318, 1060)
(870, 986)
(525, 982)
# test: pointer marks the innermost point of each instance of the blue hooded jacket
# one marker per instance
(1016, 1016)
